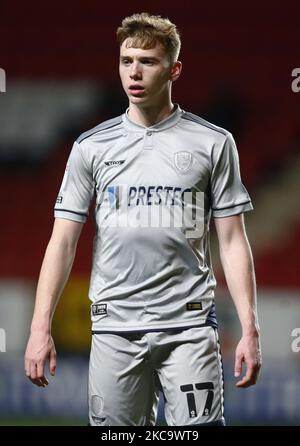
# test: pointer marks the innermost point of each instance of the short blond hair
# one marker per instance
(144, 30)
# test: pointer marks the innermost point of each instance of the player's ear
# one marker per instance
(175, 71)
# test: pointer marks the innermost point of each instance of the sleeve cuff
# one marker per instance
(232, 210)
(70, 215)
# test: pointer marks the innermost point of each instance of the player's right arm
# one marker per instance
(54, 274)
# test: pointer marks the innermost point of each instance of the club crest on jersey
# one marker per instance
(183, 161)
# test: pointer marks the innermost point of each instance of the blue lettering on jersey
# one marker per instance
(113, 196)
(156, 195)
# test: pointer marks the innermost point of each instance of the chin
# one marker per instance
(136, 100)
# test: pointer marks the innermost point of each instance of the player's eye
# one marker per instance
(125, 61)
(148, 62)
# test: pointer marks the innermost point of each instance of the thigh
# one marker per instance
(121, 382)
(192, 378)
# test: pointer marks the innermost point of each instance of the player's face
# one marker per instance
(146, 75)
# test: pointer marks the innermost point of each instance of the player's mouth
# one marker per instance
(136, 90)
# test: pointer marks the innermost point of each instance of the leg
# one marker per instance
(121, 382)
(190, 372)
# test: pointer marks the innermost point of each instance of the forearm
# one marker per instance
(54, 274)
(237, 262)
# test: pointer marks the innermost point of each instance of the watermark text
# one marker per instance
(295, 345)
(2, 341)
(2, 81)
(296, 82)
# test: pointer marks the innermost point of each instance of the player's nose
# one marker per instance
(135, 71)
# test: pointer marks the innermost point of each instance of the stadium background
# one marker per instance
(61, 64)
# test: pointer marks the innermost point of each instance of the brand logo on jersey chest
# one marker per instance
(114, 163)
(183, 161)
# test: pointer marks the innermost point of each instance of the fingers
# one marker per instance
(245, 381)
(52, 362)
(251, 376)
(44, 381)
(40, 349)
(35, 372)
(40, 374)
(27, 367)
(248, 351)
(238, 366)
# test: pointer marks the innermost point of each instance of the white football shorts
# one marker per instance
(127, 372)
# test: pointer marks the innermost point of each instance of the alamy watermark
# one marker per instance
(295, 345)
(2, 81)
(296, 82)
(152, 207)
(2, 340)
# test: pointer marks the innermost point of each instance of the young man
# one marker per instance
(152, 285)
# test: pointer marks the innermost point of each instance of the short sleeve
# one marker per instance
(228, 194)
(77, 188)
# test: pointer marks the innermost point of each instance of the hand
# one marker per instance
(40, 348)
(248, 351)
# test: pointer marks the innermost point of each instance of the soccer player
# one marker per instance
(159, 174)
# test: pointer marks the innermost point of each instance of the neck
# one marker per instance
(148, 116)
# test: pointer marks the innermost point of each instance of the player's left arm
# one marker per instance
(237, 262)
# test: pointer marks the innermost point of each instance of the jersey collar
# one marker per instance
(166, 123)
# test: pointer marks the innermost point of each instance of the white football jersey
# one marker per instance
(156, 189)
